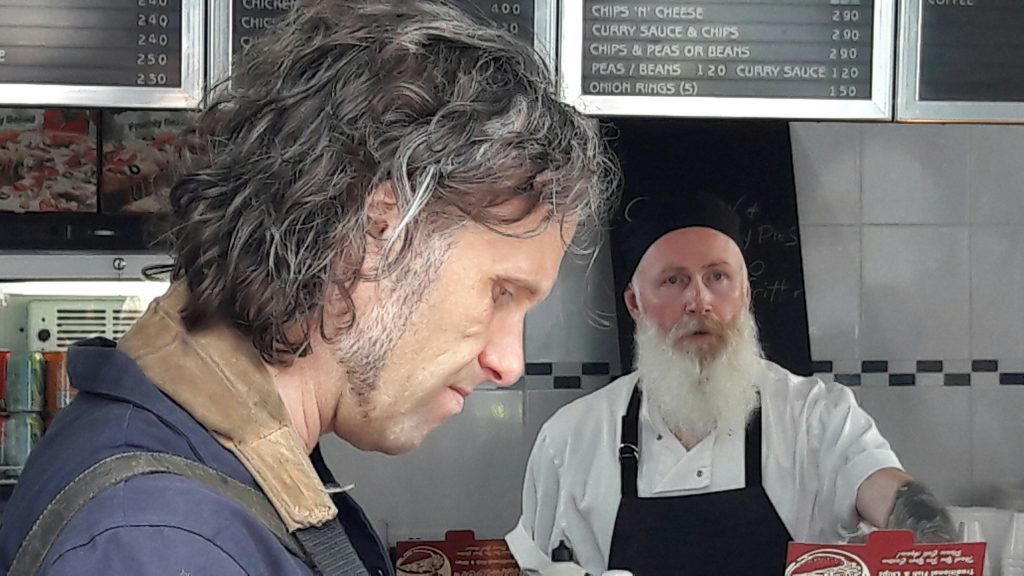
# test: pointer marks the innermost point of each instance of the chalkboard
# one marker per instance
(748, 165)
(826, 50)
(138, 44)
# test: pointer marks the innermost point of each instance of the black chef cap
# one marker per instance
(645, 220)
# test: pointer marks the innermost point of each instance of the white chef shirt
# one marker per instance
(818, 446)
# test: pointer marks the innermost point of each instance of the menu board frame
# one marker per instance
(221, 37)
(189, 95)
(909, 106)
(879, 107)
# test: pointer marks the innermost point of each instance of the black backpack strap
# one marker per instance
(330, 549)
(121, 467)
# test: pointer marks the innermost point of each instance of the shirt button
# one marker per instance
(700, 473)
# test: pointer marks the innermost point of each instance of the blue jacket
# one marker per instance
(158, 524)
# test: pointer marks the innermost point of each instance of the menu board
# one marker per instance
(250, 17)
(47, 160)
(101, 52)
(247, 19)
(730, 58)
(963, 60)
(138, 150)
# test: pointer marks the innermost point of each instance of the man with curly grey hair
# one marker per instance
(369, 210)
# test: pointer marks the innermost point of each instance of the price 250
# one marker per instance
(150, 59)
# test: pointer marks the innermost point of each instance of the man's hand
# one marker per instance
(917, 509)
(891, 498)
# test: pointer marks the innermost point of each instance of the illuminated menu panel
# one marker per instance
(962, 60)
(74, 52)
(729, 57)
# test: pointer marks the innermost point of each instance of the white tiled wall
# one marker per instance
(913, 246)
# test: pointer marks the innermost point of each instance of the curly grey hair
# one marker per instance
(344, 95)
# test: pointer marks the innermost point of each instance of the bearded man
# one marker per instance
(370, 210)
(707, 459)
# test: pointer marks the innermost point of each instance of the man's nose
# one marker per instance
(502, 357)
(698, 300)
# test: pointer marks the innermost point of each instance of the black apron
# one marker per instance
(735, 532)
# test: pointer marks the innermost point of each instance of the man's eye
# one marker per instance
(672, 280)
(503, 292)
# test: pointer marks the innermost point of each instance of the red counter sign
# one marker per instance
(887, 553)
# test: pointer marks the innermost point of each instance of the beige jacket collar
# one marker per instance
(218, 377)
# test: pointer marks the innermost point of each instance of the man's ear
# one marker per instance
(631, 301)
(382, 211)
(382, 216)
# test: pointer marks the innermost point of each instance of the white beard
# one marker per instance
(695, 395)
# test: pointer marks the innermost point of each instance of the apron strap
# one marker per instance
(752, 450)
(629, 447)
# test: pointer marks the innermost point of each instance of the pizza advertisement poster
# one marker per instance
(886, 553)
(48, 160)
(459, 554)
(138, 153)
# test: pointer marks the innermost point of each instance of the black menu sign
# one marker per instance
(971, 50)
(728, 48)
(515, 16)
(250, 17)
(135, 43)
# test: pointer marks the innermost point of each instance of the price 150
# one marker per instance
(842, 91)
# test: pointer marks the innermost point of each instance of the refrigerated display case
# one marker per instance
(47, 303)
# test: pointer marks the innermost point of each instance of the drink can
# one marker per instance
(22, 432)
(25, 383)
(5, 356)
(58, 389)
(3, 439)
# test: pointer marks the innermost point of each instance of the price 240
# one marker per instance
(152, 40)
(160, 20)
